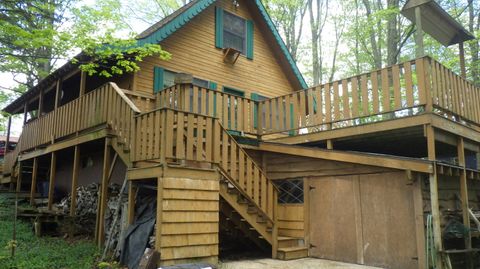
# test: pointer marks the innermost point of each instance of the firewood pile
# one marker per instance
(87, 205)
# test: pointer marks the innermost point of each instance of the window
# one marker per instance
(168, 79)
(234, 91)
(201, 83)
(290, 191)
(232, 31)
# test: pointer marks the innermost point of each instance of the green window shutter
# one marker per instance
(157, 79)
(219, 27)
(212, 85)
(254, 97)
(250, 39)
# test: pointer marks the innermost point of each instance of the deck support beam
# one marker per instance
(76, 167)
(51, 185)
(33, 186)
(103, 192)
(158, 233)
(433, 179)
(464, 198)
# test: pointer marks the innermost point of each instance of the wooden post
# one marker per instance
(25, 112)
(464, 197)
(433, 179)
(419, 51)
(158, 232)
(103, 193)
(19, 179)
(131, 202)
(7, 142)
(83, 80)
(419, 220)
(76, 167)
(51, 185)
(33, 187)
(40, 104)
(461, 50)
(275, 226)
(329, 144)
(58, 90)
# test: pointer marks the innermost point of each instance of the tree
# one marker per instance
(288, 17)
(37, 35)
(318, 17)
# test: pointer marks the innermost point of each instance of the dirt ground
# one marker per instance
(307, 263)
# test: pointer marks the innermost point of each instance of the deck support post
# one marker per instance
(40, 104)
(58, 89)
(275, 226)
(76, 167)
(464, 198)
(7, 142)
(131, 202)
(25, 113)
(433, 179)
(103, 193)
(51, 185)
(83, 80)
(158, 232)
(461, 54)
(329, 144)
(33, 187)
(19, 179)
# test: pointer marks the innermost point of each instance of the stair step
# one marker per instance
(287, 242)
(292, 253)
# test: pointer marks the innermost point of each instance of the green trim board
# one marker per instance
(219, 27)
(233, 91)
(183, 18)
(158, 73)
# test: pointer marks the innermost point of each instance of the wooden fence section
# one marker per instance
(171, 134)
(379, 92)
(105, 105)
(452, 93)
(234, 112)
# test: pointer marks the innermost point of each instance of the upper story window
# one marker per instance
(232, 31)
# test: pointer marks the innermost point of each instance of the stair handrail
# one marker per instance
(162, 134)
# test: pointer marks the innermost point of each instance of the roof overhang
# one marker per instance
(437, 22)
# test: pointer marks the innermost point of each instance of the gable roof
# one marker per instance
(170, 24)
(155, 34)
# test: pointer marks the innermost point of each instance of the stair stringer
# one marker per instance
(263, 228)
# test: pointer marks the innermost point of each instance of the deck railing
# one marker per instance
(105, 105)
(452, 94)
(167, 134)
(234, 112)
(355, 100)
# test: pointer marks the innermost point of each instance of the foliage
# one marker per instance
(37, 35)
(40, 252)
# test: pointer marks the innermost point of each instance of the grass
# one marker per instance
(40, 252)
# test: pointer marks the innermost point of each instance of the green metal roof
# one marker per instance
(177, 20)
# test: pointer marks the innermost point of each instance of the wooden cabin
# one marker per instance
(369, 169)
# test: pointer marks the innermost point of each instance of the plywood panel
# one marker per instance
(378, 229)
(193, 51)
(331, 213)
(388, 220)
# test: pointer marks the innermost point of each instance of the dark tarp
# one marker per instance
(137, 234)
